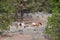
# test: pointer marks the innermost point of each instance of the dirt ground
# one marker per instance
(21, 37)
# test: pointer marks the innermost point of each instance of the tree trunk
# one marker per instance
(22, 15)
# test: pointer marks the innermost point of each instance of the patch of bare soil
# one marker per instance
(20, 37)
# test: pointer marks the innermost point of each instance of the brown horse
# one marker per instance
(36, 24)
